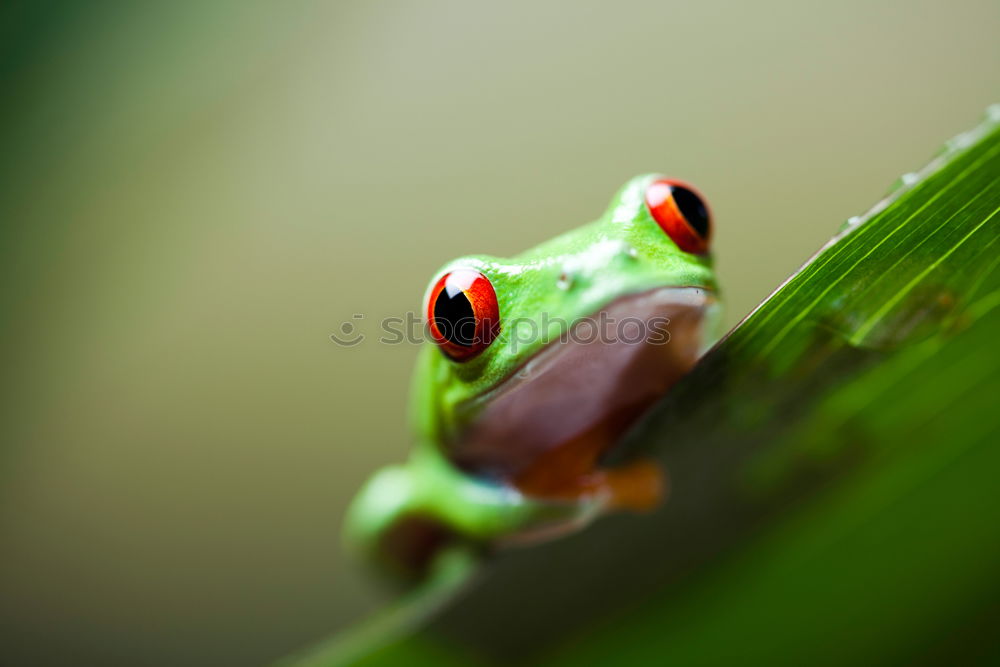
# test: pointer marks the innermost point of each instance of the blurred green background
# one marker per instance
(193, 196)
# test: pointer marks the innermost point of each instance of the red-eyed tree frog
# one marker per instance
(536, 366)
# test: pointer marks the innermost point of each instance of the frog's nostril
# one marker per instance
(625, 252)
(565, 280)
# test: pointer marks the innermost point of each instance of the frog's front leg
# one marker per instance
(406, 514)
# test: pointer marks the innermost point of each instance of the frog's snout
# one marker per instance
(579, 271)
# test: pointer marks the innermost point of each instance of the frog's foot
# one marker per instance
(639, 486)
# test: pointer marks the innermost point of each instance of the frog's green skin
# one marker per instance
(569, 277)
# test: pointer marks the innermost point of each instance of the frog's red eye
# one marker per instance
(681, 212)
(462, 313)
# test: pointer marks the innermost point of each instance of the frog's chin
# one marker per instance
(579, 394)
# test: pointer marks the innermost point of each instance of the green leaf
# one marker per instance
(833, 464)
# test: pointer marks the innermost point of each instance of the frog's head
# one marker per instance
(576, 336)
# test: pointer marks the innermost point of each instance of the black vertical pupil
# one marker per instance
(455, 318)
(693, 209)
